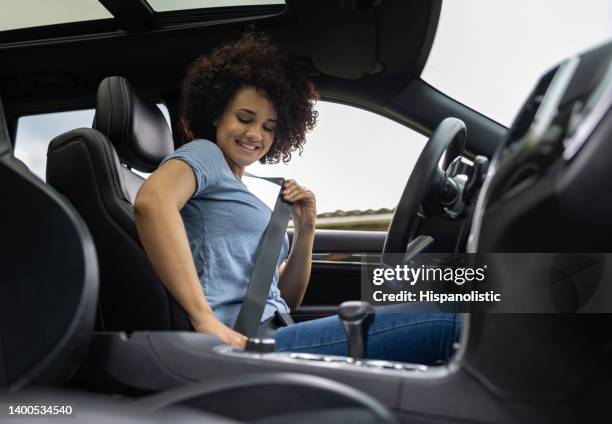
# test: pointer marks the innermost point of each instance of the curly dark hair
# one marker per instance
(252, 61)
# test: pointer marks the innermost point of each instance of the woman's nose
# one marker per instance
(253, 134)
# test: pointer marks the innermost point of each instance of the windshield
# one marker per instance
(488, 54)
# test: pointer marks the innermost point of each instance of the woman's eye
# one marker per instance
(269, 129)
(245, 119)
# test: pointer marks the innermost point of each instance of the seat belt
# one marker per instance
(250, 314)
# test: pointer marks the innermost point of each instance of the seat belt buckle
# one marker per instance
(283, 319)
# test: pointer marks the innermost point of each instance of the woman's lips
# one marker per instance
(247, 147)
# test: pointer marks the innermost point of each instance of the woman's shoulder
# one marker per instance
(200, 145)
(199, 152)
(205, 159)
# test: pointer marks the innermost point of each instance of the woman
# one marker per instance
(201, 227)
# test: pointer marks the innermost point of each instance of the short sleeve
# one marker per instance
(205, 159)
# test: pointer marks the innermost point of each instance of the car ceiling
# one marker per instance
(363, 52)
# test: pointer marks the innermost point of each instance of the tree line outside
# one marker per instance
(355, 220)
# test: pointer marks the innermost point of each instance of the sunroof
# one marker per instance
(20, 14)
(174, 5)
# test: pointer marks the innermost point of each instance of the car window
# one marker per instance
(356, 162)
(34, 132)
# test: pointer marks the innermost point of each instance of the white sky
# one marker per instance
(353, 159)
(487, 54)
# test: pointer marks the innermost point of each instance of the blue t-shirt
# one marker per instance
(225, 223)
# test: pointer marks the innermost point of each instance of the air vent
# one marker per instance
(527, 114)
(523, 178)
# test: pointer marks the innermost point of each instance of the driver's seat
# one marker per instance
(86, 166)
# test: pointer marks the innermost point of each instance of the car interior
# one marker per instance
(84, 315)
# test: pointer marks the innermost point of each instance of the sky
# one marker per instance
(487, 54)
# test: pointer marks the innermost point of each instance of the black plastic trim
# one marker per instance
(218, 13)
(430, 34)
(430, 106)
(5, 139)
(133, 15)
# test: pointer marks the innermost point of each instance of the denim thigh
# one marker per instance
(397, 334)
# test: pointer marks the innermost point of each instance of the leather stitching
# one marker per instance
(105, 154)
(110, 114)
(126, 114)
(108, 170)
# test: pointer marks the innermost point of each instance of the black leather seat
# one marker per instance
(48, 279)
(86, 166)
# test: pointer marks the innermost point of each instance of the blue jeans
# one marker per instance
(395, 335)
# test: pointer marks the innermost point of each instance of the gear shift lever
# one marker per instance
(357, 317)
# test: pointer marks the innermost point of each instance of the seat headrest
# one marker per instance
(135, 126)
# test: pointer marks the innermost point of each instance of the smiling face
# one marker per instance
(246, 129)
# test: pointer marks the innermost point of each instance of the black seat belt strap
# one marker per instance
(250, 314)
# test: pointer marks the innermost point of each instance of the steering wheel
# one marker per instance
(431, 186)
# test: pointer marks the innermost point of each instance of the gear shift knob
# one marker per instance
(357, 317)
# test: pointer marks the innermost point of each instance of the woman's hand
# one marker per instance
(304, 205)
(296, 272)
(212, 325)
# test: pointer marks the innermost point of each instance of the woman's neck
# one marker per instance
(236, 169)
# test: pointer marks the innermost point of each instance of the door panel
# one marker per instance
(336, 270)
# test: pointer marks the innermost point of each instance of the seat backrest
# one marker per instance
(48, 279)
(86, 166)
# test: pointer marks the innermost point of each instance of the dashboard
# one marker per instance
(547, 189)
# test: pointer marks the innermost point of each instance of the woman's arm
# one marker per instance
(164, 239)
(296, 272)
